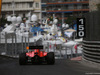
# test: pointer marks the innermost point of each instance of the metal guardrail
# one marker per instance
(91, 55)
(86, 51)
(91, 41)
(10, 45)
(91, 50)
(88, 58)
(98, 46)
(6, 1)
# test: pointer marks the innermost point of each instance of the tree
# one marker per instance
(3, 21)
(70, 20)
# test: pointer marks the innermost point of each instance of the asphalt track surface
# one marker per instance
(9, 66)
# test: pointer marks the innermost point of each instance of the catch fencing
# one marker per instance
(10, 44)
(13, 45)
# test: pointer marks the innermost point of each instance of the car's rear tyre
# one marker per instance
(22, 59)
(50, 58)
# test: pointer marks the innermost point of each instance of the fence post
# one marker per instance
(66, 52)
(76, 52)
(35, 42)
(55, 48)
(28, 40)
(5, 42)
(22, 43)
(25, 43)
(60, 51)
(0, 37)
(12, 44)
(44, 47)
(48, 47)
(15, 44)
(71, 51)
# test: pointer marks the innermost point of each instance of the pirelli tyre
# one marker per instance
(50, 58)
(22, 59)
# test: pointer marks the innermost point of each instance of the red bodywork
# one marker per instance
(36, 52)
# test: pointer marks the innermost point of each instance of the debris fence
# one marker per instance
(13, 45)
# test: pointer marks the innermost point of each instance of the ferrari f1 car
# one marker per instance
(36, 54)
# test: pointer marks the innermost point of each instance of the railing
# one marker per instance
(7, 1)
(13, 45)
(91, 50)
(51, 9)
(52, 1)
(17, 9)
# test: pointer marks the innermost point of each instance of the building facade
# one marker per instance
(37, 8)
(93, 4)
(21, 7)
(64, 8)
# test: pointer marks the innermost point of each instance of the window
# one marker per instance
(37, 5)
(75, 6)
(30, 5)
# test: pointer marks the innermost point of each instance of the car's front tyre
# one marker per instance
(22, 59)
(50, 58)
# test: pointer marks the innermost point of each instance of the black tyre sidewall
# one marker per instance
(22, 59)
(50, 58)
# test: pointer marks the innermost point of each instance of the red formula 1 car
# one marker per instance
(36, 54)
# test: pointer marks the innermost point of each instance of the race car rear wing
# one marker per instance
(34, 47)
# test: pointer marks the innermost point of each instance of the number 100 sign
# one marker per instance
(81, 27)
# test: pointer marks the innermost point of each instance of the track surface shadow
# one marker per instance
(61, 67)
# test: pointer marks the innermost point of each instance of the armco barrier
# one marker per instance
(91, 43)
(91, 51)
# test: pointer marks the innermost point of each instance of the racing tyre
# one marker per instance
(50, 58)
(22, 59)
